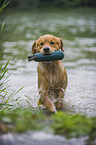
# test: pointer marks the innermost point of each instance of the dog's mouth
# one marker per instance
(48, 62)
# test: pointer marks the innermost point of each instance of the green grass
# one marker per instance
(68, 125)
(21, 120)
(5, 3)
(73, 125)
(5, 96)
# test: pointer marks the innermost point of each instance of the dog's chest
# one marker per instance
(53, 77)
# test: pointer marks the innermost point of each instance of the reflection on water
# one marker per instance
(78, 33)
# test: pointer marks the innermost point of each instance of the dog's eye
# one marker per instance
(52, 42)
(41, 43)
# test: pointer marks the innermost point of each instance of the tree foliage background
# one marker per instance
(39, 4)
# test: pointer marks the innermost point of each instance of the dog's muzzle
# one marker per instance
(46, 50)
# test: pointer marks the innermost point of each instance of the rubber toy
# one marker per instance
(56, 55)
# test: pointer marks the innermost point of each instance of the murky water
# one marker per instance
(41, 138)
(78, 32)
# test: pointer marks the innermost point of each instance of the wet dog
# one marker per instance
(52, 76)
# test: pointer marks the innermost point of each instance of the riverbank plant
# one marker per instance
(68, 125)
(71, 125)
(6, 98)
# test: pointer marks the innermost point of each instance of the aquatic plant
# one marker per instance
(5, 3)
(5, 96)
(71, 125)
(21, 120)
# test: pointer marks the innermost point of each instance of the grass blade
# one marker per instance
(28, 97)
(2, 52)
(5, 66)
(29, 104)
(2, 27)
(4, 5)
(17, 91)
(3, 74)
(5, 89)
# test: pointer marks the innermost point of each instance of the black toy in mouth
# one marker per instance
(56, 55)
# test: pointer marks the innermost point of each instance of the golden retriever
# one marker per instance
(52, 76)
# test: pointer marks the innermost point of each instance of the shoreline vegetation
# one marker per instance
(52, 10)
(23, 119)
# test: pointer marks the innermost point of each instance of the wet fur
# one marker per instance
(52, 77)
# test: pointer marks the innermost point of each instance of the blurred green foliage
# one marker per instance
(68, 125)
(73, 125)
(20, 120)
(38, 4)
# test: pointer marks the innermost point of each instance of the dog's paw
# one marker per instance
(47, 103)
(59, 105)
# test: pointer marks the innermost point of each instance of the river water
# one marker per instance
(77, 29)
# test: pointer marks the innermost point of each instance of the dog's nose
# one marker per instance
(46, 49)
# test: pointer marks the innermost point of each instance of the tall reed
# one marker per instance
(5, 96)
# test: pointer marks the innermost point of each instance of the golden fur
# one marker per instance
(52, 76)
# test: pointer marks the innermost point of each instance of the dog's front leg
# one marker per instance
(59, 102)
(46, 101)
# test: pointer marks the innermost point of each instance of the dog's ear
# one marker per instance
(61, 44)
(34, 48)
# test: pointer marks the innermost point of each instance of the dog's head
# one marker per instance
(47, 44)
